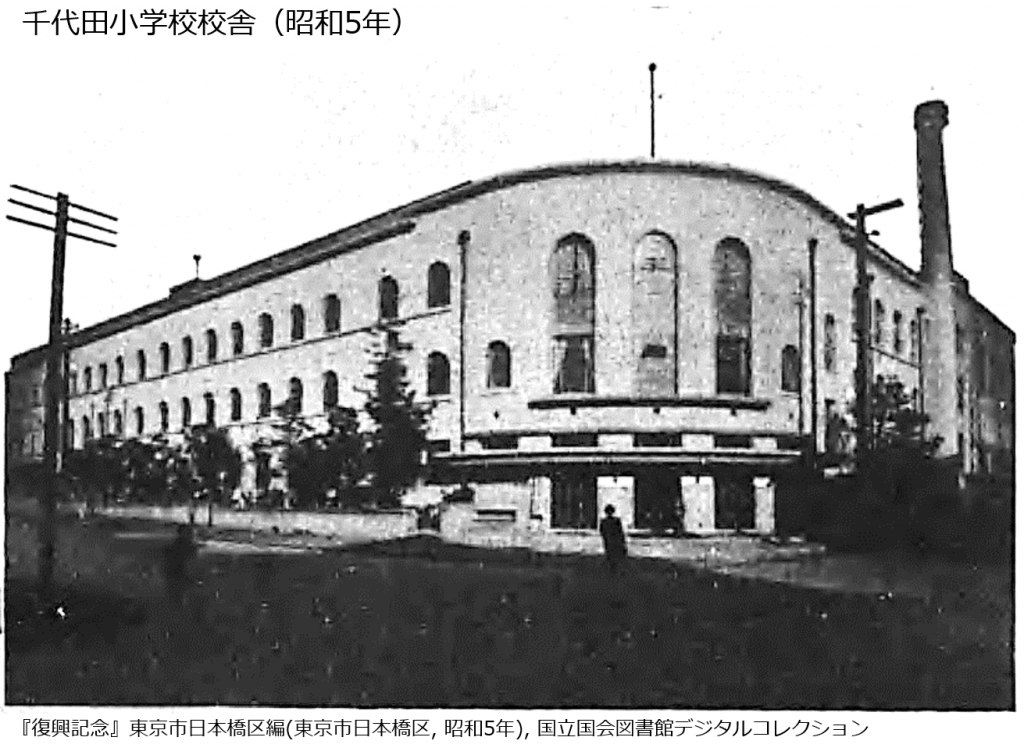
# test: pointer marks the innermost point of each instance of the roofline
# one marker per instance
(398, 221)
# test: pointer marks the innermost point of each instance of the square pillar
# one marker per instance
(764, 505)
(540, 503)
(618, 492)
(698, 496)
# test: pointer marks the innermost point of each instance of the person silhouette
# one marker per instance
(614, 539)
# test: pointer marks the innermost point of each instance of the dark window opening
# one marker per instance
(387, 303)
(657, 440)
(438, 285)
(236, 405)
(654, 351)
(237, 338)
(733, 365)
(186, 352)
(733, 441)
(263, 400)
(791, 369)
(438, 375)
(574, 440)
(332, 314)
(298, 323)
(500, 442)
(499, 365)
(574, 364)
(330, 390)
(165, 358)
(266, 331)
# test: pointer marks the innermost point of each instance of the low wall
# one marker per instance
(383, 525)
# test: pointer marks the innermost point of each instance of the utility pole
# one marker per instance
(55, 380)
(863, 375)
(652, 67)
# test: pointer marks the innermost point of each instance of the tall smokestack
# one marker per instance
(940, 357)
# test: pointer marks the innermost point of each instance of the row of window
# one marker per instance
(438, 295)
(499, 375)
(898, 340)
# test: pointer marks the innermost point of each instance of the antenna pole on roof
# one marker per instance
(197, 257)
(652, 68)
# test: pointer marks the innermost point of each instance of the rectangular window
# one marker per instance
(733, 365)
(657, 440)
(574, 364)
(574, 440)
(500, 442)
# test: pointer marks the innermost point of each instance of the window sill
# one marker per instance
(589, 400)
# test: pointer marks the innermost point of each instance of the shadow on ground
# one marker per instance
(420, 622)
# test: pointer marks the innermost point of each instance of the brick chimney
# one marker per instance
(939, 347)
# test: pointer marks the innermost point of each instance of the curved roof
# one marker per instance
(400, 220)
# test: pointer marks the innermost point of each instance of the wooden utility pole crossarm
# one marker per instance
(54, 378)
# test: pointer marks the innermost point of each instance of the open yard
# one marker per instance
(419, 622)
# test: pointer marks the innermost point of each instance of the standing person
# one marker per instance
(614, 539)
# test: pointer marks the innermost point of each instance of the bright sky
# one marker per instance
(236, 148)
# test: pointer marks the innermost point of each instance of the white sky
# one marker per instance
(236, 148)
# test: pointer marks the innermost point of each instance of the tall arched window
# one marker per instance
(140, 421)
(237, 338)
(654, 315)
(915, 340)
(438, 285)
(266, 331)
(897, 331)
(574, 287)
(298, 322)
(101, 425)
(140, 358)
(879, 322)
(791, 369)
(330, 390)
(387, 300)
(186, 414)
(103, 375)
(732, 304)
(499, 365)
(829, 349)
(211, 410)
(236, 405)
(263, 400)
(118, 423)
(165, 417)
(87, 378)
(332, 313)
(119, 369)
(295, 397)
(186, 352)
(165, 357)
(438, 375)
(211, 345)
(86, 429)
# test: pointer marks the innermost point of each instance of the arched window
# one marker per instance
(266, 331)
(263, 400)
(438, 285)
(499, 365)
(387, 301)
(103, 375)
(101, 425)
(165, 417)
(438, 375)
(118, 423)
(897, 331)
(119, 369)
(915, 340)
(829, 350)
(211, 410)
(211, 345)
(298, 322)
(332, 313)
(654, 315)
(236, 405)
(574, 288)
(791, 369)
(140, 421)
(186, 352)
(879, 322)
(186, 414)
(86, 429)
(732, 305)
(165, 358)
(140, 358)
(330, 390)
(237, 338)
(87, 378)
(295, 397)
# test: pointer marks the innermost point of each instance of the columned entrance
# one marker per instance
(574, 501)
(657, 501)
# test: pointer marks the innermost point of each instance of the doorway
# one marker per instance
(574, 501)
(657, 503)
(734, 502)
